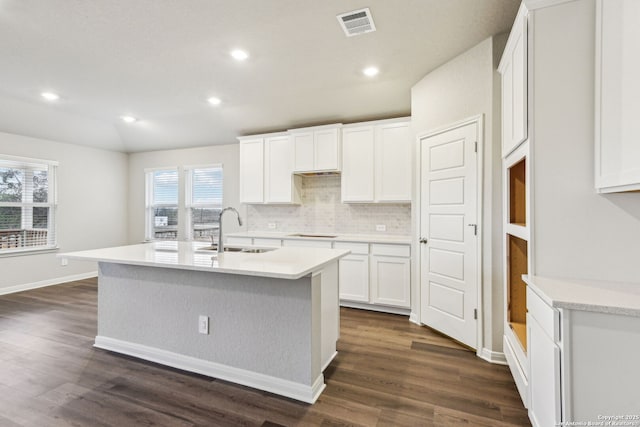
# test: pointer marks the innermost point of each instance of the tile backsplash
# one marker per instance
(322, 212)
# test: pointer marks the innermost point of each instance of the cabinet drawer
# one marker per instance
(269, 243)
(239, 240)
(547, 317)
(355, 248)
(307, 243)
(390, 250)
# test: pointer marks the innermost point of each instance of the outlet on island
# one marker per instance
(203, 324)
(381, 227)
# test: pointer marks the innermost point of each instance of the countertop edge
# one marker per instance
(391, 239)
(602, 306)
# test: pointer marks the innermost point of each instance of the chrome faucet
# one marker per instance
(220, 247)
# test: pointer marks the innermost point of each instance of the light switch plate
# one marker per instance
(381, 227)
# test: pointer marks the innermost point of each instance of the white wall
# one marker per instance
(577, 232)
(92, 209)
(467, 86)
(228, 155)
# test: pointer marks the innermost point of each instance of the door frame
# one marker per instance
(478, 120)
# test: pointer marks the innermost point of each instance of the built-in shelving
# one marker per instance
(517, 194)
(517, 261)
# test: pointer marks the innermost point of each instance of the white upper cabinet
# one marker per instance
(251, 170)
(617, 128)
(266, 167)
(317, 149)
(513, 68)
(358, 164)
(376, 163)
(281, 185)
(393, 162)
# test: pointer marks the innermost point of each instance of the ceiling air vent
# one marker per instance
(357, 22)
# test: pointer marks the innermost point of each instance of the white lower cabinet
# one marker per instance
(390, 278)
(353, 278)
(375, 276)
(544, 376)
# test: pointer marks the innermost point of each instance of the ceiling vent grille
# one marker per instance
(357, 22)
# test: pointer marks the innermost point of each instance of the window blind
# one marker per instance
(27, 204)
(162, 204)
(203, 201)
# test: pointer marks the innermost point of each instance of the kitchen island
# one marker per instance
(266, 320)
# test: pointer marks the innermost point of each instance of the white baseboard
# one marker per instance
(413, 318)
(293, 390)
(48, 282)
(496, 357)
(372, 307)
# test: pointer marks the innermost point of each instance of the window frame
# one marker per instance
(188, 199)
(149, 233)
(30, 165)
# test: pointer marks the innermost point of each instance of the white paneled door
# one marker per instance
(448, 232)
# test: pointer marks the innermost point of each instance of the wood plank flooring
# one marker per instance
(388, 372)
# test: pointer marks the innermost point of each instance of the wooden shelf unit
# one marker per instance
(518, 193)
(517, 261)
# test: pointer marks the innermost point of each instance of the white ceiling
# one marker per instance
(160, 60)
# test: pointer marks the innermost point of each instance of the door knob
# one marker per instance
(423, 240)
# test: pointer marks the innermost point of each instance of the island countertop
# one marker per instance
(284, 263)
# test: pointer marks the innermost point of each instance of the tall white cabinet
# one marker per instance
(513, 68)
(516, 166)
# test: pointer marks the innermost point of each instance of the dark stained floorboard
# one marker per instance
(388, 372)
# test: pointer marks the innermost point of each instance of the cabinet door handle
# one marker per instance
(423, 240)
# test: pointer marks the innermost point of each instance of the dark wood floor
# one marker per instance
(388, 372)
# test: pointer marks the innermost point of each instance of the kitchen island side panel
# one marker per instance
(258, 324)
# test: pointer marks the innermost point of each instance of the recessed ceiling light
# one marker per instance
(128, 119)
(239, 55)
(50, 96)
(214, 101)
(370, 71)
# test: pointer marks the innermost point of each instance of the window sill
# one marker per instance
(6, 253)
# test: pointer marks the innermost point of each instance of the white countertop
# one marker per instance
(285, 263)
(361, 238)
(603, 297)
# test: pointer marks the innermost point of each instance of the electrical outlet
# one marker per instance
(381, 227)
(203, 324)
(64, 262)
(271, 225)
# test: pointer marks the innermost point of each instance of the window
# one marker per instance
(192, 217)
(162, 204)
(27, 204)
(203, 201)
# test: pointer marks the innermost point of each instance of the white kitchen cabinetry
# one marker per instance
(543, 324)
(617, 154)
(317, 149)
(583, 342)
(393, 162)
(513, 68)
(251, 170)
(266, 168)
(390, 275)
(358, 164)
(280, 185)
(353, 272)
(376, 162)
